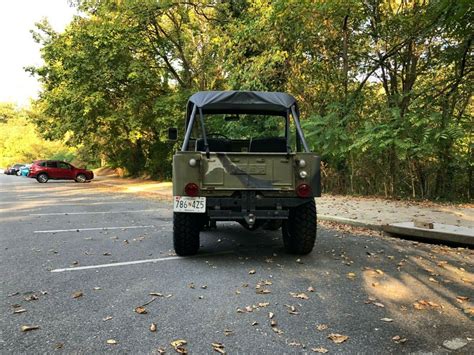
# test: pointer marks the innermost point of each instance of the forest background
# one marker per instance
(384, 86)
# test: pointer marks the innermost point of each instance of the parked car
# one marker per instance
(25, 170)
(43, 170)
(14, 169)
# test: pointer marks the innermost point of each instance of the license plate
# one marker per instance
(189, 204)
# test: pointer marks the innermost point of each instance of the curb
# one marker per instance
(351, 222)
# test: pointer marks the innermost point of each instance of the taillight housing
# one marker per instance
(304, 190)
(191, 189)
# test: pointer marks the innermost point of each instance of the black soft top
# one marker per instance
(234, 102)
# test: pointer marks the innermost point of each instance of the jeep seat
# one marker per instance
(268, 145)
(215, 145)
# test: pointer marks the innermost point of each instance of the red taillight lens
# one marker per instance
(304, 190)
(191, 189)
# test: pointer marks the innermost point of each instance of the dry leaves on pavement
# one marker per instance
(141, 310)
(178, 346)
(398, 339)
(292, 309)
(153, 327)
(423, 304)
(321, 327)
(301, 296)
(112, 342)
(337, 338)
(31, 298)
(77, 294)
(320, 350)
(218, 347)
(252, 272)
(388, 320)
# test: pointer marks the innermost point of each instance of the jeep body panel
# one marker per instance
(273, 174)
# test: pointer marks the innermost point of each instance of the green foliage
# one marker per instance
(20, 141)
(384, 87)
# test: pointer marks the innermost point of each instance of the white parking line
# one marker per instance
(133, 262)
(96, 212)
(91, 229)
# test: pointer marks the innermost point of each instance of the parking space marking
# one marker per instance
(135, 262)
(96, 212)
(91, 229)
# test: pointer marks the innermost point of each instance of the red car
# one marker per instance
(43, 170)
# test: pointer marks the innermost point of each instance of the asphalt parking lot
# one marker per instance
(77, 261)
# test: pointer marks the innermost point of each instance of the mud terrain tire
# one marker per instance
(299, 231)
(186, 227)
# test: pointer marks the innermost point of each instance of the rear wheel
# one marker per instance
(186, 227)
(42, 178)
(299, 231)
(81, 178)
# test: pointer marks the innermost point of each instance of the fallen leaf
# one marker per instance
(270, 315)
(292, 309)
(433, 280)
(462, 299)
(77, 294)
(378, 304)
(178, 346)
(141, 310)
(273, 323)
(161, 351)
(97, 288)
(386, 319)
(31, 298)
(301, 295)
(111, 341)
(321, 327)
(254, 323)
(398, 339)
(320, 350)
(252, 272)
(263, 304)
(107, 318)
(19, 310)
(27, 328)
(227, 332)
(156, 294)
(310, 289)
(351, 275)
(338, 338)
(106, 254)
(218, 347)
(278, 331)
(378, 271)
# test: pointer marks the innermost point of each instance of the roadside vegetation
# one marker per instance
(385, 87)
(20, 141)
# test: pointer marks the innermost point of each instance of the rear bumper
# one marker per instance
(237, 208)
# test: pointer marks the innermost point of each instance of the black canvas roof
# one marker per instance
(233, 102)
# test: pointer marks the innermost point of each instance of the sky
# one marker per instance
(18, 49)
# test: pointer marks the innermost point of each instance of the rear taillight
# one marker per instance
(304, 190)
(191, 189)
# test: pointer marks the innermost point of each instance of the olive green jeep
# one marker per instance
(244, 158)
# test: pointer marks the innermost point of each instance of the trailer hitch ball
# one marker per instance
(250, 219)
